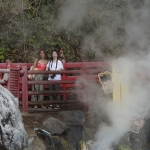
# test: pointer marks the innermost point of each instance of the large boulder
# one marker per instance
(12, 132)
(54, 126)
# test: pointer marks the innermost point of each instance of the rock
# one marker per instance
(37, 144)
(12, 132)
(74, 134)
(54, 126)
(76, 116)
(34, 142)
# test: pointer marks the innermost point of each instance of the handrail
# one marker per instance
(4, 70)
(55, 72)
(65, 71)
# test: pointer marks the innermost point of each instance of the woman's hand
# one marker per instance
(31, 77)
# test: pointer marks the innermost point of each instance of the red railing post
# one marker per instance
(18, 67)
(64, 78)
(24, 90)
(85, 93)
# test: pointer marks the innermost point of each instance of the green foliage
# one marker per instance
(80, 147)
(2, 51)
(31, 25)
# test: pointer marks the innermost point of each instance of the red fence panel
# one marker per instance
(14, 79)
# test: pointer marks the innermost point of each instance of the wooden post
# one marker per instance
(24, 90)
(64, 78)
(8, 66)
(85, 93)
(19, 80)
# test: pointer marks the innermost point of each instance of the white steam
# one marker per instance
(138, 28)
(136, 62)
(72, 13)
(121, 113)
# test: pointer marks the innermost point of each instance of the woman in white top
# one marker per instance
(54, 64)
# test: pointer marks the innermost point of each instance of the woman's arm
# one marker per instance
(33, 68)
(34, 64)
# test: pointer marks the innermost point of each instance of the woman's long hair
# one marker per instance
(44, 51)
(52, 54)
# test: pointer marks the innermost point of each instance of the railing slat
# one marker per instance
(51, 82)
(52, 92)
(53, 102)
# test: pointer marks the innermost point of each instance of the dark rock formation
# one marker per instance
(74, 136)
(67, 133)
(72, 116)
(12, 133)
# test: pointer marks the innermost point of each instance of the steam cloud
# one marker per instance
(72, 13)
(136, 62)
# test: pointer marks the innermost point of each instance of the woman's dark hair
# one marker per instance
(52, 54)
(44, 51)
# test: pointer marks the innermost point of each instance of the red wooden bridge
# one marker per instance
(19, 85)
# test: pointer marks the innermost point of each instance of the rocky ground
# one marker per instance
(32, 121)
(131, 141)
(77, 128)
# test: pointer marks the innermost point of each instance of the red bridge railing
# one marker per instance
(70, 74)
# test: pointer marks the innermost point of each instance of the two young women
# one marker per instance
(43, 64)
